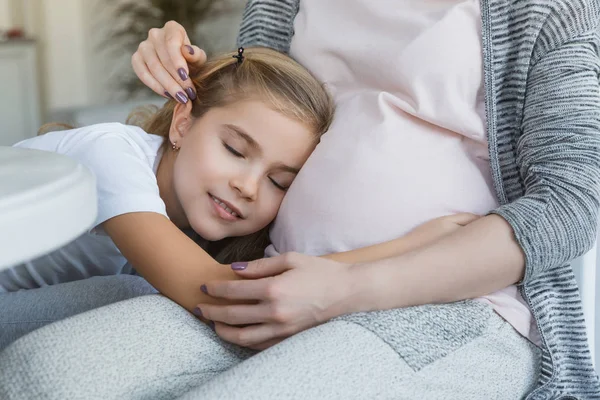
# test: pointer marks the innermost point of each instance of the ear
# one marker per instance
(181, 122)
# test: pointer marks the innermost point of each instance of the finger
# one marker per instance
(194, 56)
(177, 51)
(178, 73)
(266, 267)
(247, 336)
(464, 218)
(238, 290)
(141, 70)
(239, 314)
(175, 37)
(160, 74)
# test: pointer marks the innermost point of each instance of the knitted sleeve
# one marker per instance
(558, 150)
(268, 23)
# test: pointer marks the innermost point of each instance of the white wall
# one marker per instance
(57, 27)
(5, 14)
(65, 66)
(588, 280)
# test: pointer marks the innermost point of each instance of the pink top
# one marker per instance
(408, 142)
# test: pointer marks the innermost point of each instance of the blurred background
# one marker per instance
(69, 60)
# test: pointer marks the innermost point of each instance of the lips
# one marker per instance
(228, 207)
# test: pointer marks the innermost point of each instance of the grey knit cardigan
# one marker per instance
(541, 69)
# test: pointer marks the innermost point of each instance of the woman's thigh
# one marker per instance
(344, 360)
(24, 311)
(147, 347)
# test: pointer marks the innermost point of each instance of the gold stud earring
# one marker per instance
(174, 146)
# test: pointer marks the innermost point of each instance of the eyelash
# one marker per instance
(277, 185)
(233, 151)
(240, 155)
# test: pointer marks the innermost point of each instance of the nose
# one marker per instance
(246, 185)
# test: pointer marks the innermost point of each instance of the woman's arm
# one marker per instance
(558, 154)
(479, 259)
(553, 223)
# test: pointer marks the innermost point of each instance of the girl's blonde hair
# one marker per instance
(264, 75)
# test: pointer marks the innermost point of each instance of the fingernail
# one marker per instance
(212, 325)
(239, 266)
(197, 312)
(169, 95)
(182, 74)
(191, 94)
(181, 97)
(203, 289)
(190, 49)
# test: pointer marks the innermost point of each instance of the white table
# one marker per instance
(46, 201)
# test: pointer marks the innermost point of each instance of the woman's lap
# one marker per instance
(24, 311)
(151, 348)
(344, 360)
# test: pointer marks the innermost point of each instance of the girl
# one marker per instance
(218, 165)
(216, 162)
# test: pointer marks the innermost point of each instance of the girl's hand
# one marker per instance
(435, 229)
(161, 62)
(283, 295)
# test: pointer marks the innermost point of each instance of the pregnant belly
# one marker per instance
(368, 185)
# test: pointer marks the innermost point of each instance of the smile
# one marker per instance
(224, 210)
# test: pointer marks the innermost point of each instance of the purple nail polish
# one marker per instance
(182, 74)
(197, 312)
(204, 289)
(181, 97)
(190, 49)
(239, 266)
(191, 94)
(169, 95)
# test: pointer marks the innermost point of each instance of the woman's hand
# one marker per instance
(162, 60)
(284, 295)
(435, 229)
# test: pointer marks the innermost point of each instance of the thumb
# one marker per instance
(261, 268)
(194, 55)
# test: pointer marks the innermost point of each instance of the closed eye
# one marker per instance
(277, 185)
(233, 151)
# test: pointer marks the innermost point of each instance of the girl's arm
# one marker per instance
(424, 234)
(176, 266)
(173, 263)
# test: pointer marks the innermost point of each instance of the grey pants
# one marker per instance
(150, 348)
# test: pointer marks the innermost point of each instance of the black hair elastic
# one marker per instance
(240, 55)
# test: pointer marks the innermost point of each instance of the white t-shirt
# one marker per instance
(124, 160)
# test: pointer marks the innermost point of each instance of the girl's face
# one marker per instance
(234, 166)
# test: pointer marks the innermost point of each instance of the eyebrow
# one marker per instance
(252, 143)
(287, 168)
(240, 132)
